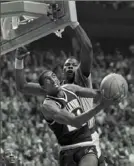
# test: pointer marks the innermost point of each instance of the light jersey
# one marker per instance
(86, 103)
(66, 134)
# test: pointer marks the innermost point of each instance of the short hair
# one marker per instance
(42, 76)
(70, 58)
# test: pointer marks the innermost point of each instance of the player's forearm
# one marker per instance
(19, 73)
(85, 117)
(83, 92)
(86, 53)
(59, 115)
(82, 37)
(64, 117)
(87, 92)
(22, 85)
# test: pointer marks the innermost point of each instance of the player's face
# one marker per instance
(70, 67)
(10, 157)
(51, 83)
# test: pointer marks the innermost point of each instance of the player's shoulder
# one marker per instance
(51, 102)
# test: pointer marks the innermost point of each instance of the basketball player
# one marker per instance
(66, 118)
(76, 73)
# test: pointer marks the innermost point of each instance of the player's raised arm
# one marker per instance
(83, 92)
(51, 111)
(86, 53)
(21, 83)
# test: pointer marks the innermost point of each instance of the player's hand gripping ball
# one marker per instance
(114, 86)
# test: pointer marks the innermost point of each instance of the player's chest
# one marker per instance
(71, 103)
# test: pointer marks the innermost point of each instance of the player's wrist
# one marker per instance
(74, 24)
(98, 95)
(98, 108)
(19, 63)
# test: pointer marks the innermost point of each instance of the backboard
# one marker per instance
(23, 22)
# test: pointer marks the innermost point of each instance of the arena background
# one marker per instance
(110, 27)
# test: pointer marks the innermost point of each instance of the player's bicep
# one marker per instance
(86, 62)
(33, 89)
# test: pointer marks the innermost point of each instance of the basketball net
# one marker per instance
(11, 23)
(7, 24)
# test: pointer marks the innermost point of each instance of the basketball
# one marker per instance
(114, 86)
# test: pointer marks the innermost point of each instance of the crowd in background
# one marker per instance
(117, 5)
(26, 132)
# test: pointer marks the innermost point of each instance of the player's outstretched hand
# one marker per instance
(98, 96)
(21, 53)
(108, 102)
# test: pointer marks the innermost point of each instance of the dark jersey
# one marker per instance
(66, 134)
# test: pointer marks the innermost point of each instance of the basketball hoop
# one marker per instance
(23, 22)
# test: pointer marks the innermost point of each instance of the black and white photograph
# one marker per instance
(66, 83)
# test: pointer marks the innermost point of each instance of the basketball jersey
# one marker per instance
(86, 103)
(66, 134)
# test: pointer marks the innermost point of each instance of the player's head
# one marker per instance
(10, 157)
(70, 66)
(49, 82)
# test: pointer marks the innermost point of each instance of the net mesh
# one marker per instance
(11, 23)
(6, 27)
